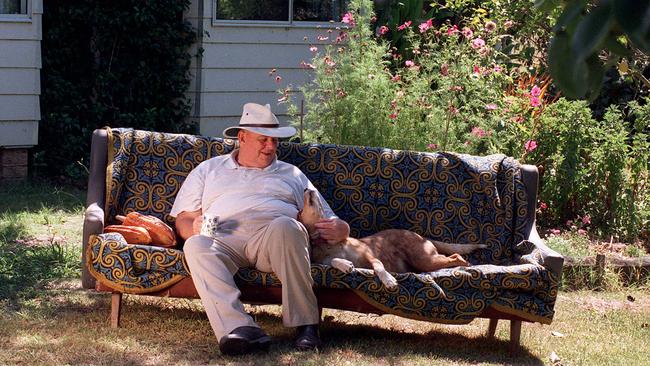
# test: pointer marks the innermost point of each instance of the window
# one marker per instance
(13, 6)
(285, 11)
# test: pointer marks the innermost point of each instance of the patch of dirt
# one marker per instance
(633, 303)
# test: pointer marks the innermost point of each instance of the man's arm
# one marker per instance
(188, 223)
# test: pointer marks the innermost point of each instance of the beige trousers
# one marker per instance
(281, 247)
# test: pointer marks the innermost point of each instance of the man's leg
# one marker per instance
(283, 248)
(213, 266)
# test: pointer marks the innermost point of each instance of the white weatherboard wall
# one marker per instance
(20, 87)
(236, 62)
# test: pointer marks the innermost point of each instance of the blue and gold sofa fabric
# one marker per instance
(443, 196)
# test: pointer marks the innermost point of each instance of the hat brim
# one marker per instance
(279, 132)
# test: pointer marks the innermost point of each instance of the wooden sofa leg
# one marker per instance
(116, 309)
(492, 328)
(515, 334)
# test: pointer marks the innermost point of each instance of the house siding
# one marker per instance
(20, 65)
(236, 62)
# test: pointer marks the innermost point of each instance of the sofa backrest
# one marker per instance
(444, 196)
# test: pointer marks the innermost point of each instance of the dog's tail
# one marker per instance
(447, 248)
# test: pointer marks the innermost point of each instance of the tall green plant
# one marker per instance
(118, 63)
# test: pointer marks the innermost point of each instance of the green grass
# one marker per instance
(40, 237)
(48, 319)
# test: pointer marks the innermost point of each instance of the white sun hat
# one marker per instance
(259, 119)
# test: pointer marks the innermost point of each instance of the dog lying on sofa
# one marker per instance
(387, 251)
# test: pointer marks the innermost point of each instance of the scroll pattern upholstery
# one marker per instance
(444, 196)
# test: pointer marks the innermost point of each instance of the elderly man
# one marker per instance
(256, 199)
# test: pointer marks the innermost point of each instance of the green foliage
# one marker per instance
(446, 96)
(458, 92)
(570, 244)
(583, 30)
(594, 169)
(118, 63)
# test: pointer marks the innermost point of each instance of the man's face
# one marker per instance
(255, 150)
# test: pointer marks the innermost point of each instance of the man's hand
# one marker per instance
(188, 223)
(332, 230)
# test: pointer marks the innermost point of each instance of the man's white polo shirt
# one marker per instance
(245, 199)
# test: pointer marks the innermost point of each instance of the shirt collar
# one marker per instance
(231, 163)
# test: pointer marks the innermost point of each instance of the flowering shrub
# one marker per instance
(456, 90)
(447, 95)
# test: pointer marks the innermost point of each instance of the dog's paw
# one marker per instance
(388, 280)
(342, 265)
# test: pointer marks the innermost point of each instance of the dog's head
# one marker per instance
(311, 212)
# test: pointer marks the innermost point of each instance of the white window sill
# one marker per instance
(275, 24)
(15, 18)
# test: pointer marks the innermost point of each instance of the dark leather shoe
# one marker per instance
(244, 340)
(307, 337)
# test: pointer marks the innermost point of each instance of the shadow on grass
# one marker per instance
(35, 195)
(174, 331)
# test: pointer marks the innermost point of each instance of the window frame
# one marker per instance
(19, 18)
(289, 23)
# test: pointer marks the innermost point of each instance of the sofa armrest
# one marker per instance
(95, 199)
(550, 259)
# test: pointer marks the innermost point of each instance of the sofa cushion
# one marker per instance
(453, 295)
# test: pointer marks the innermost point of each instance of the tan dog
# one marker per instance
(388, 250)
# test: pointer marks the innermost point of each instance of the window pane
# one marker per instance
(13, 7)
(253, 10)
(318, 10)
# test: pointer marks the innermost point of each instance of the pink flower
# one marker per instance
(467, 32)
(444, 69)
(535, 91)
(425, 26)
(535, 102)
(530, 145)
(405, 25)
(393, 115)
(542, 205)
(409, 63)
(555, 231)
(278, 79)
(432, 146)
(313, 49)
(478, 43)
(490, 26)
(348, 18)
(491, 107)
(497, 69)
(285, 96)
(508, 24)
(569, 222)
(478, 132)
(383, 30)
(396, 78)
(306, 65)
(586, 220)
(582, 231)
(341, 37)
(453, 30)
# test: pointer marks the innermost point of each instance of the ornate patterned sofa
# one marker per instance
(444, 196)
